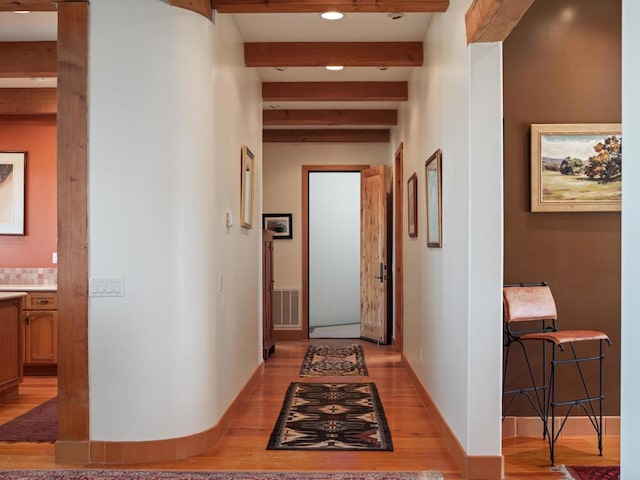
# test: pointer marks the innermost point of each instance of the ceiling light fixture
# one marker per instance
(334, 68)
(332, 15)
(22, 11)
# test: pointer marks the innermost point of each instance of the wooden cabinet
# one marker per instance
(268, 339)
(11, 305)
(41, 329)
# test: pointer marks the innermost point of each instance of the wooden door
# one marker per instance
(374, 267)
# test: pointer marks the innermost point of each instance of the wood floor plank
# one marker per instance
(417, 445)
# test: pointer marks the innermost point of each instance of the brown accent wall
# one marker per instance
(37, 136)
(562, 64)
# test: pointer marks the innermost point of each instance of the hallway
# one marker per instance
(417, 445)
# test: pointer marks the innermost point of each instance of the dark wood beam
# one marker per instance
(329, 117)
(306, 136)
(320, 54)
(28, 59)
(30, 5)
(317, 6)
(335, 91)
(493, 20)
(203, 7)
(28, 101)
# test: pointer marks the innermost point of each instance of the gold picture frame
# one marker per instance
(576, 167)
(247, 182)
(433, 195)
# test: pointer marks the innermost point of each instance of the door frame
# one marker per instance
(398, 253)
(306, 169)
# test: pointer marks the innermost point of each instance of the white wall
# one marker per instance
(334, 248)
(171, 105)
(282, 186)
(630, 387)
(452, 310)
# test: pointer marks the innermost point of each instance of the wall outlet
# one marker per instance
(54, 258)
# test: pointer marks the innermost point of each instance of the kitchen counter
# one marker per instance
(15, 287)
(11, 295)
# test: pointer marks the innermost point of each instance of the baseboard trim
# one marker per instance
(287, 335)
(473, 467)
(99, 452)
(575, 426)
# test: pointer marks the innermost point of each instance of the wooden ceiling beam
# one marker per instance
(203, 7)
(320, 54)
(335, 91)
(318, 6)
(329, 117)
(306, 136)
(493, 20)
(28, 101)
(28, 59)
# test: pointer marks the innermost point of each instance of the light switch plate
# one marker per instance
(106, 287)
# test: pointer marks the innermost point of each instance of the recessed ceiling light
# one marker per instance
(22, 11)
(280, 69)
(334, 68)
(332, 15)
(274, 106)
(395, 15)
(382, 69)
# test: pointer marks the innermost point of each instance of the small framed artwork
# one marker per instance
(576, 167)
(433, 180)
(12, 190)
(279, 224)
(247, 181)
(412, 207)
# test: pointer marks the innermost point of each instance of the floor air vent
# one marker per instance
(286, 308)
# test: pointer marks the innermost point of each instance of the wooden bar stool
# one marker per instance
(533, 304)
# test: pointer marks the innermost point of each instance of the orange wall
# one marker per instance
(37, 137)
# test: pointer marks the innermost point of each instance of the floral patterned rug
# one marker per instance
(575, 472)
(331, 416)
(333, 361)
(164, 475)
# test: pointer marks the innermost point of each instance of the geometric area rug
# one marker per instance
(331, 416)
(333, 360)
(40, 424)
(575, 472)
(168, 475)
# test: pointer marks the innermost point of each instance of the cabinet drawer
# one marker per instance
(42, 301)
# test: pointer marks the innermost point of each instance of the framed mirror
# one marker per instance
(246, 187)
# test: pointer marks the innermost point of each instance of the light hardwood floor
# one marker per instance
(417, 445)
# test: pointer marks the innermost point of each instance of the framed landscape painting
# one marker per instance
(12, 181)
(576, 167)
(279, 224)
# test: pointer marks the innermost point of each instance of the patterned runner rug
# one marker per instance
(333, 361)
(331, 416)
(575, 472)
(160, 475)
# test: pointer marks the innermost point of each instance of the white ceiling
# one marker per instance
(273, 27)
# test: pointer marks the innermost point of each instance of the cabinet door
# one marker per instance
(41, 333)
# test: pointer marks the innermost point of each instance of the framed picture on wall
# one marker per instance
(279, 224)
(412, 207)
(433, 180)
(12, 191)
(576, 167)
(247, 181)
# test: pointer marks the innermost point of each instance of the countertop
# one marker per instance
(11, 287)
(11, 295)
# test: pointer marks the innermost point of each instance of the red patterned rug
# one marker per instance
(576, 472)
(333, 360)
(158, 475)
